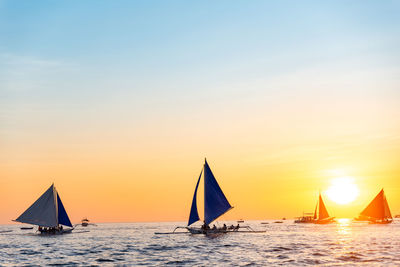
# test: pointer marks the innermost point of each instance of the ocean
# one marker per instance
(344, 243)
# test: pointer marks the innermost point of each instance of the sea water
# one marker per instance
(287, 243)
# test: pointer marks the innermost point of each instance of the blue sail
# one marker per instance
(215, 202)
(62, 214)
(194, 214)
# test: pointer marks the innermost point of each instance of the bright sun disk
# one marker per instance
(343, 190)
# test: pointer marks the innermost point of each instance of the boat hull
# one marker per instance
(326, 221)
(198, 231)
(58, 232)
(381, 222)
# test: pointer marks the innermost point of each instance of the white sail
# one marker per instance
(42, 212)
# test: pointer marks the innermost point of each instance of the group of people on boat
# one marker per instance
(50, 230)
(205, 227)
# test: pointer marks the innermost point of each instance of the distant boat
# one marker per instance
(320, 215)
(378, 210)
(308, 217)
(215, 205)
(26, 228)
(48, 213)
(85, 222)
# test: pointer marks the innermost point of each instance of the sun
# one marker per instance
(343, 190)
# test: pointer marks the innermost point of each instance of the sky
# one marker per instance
(119, 102)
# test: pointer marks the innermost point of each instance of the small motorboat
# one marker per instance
(85, 222)
(26, 228)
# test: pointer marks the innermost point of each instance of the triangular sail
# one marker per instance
(322, 211)
(43, 211)
(376, 209)
(62, 214)
(387, 213)
(194, 214)
(215, 202)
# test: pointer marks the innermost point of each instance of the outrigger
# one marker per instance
(215, 205)
(48, 213)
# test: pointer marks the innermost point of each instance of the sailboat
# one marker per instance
(215, 205)
(378, 210)
(321, 215)
(48, 213)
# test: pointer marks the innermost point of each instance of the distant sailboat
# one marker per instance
(48, 213)
(321, 215)
(378, 210)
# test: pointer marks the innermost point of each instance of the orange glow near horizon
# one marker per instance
(267, 166)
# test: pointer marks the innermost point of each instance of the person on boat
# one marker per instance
(214, 227)
(224, 227)
(40, 228)
(237, 227)
(231, 227)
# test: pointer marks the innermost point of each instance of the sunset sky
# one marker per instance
(119, 102)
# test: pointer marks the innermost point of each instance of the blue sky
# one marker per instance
(141, 61)
(83, 53)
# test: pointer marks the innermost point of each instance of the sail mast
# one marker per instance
(55, 202)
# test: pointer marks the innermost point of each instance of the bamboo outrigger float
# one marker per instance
(48, 213)
(215, 205)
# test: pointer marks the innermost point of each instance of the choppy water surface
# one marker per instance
(344, 243)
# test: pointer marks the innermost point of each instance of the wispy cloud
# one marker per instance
(24, 73)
